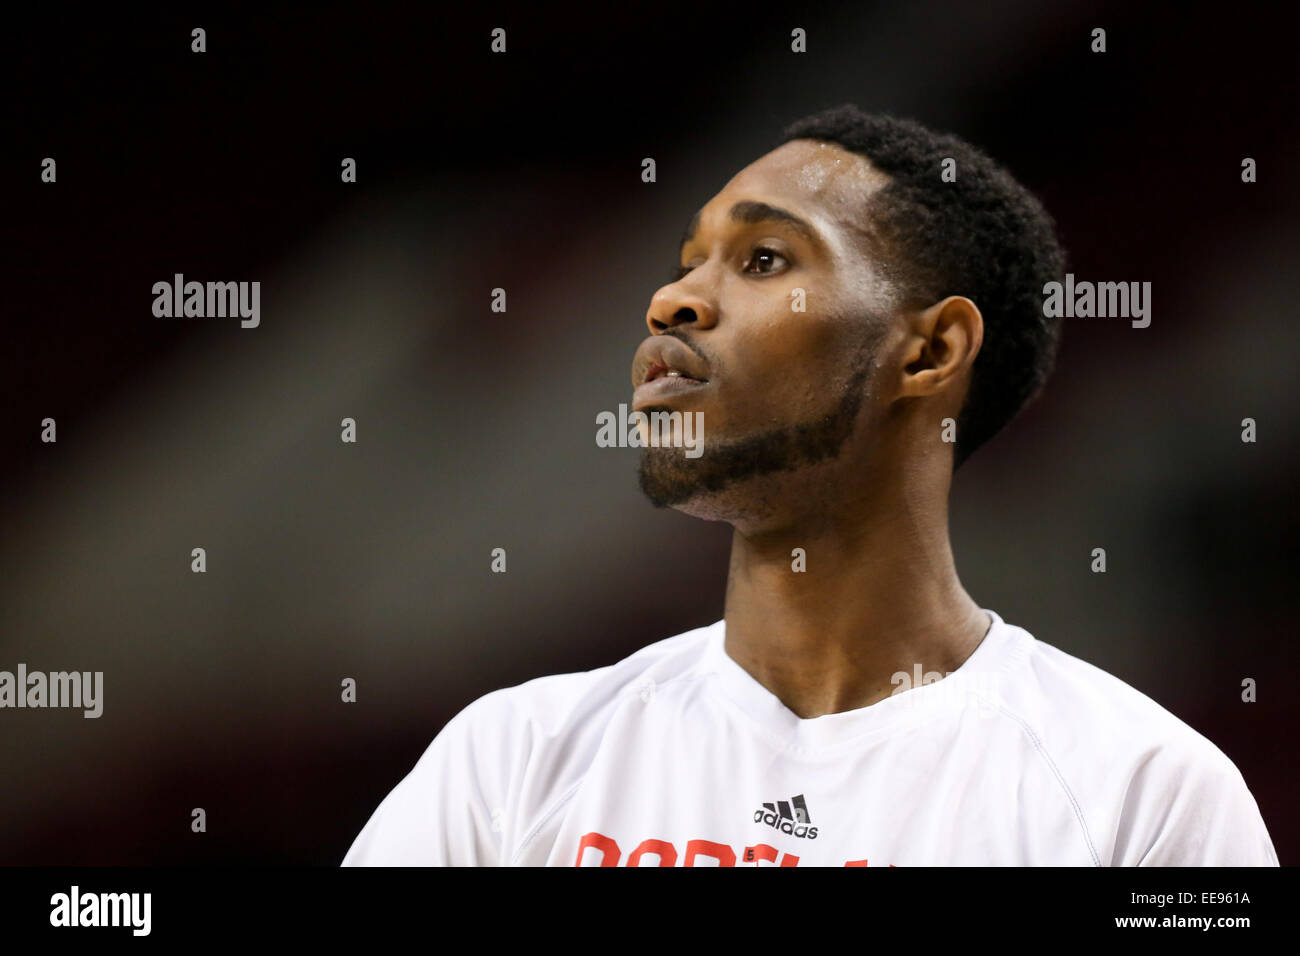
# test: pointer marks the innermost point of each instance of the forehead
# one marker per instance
(813, 171)
(825, 183)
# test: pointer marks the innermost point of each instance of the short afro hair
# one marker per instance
(983, 236)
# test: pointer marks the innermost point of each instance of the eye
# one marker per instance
(764, 256)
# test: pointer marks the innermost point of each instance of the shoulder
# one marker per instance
(504, 764)
(550, 706)
(1078, 705)
(528, 746)
(1146, 783)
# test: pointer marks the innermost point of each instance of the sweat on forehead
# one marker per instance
(815, 170)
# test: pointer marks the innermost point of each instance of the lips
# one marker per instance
(665, 369)
(662, 356)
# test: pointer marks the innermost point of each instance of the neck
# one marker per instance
(879, 595)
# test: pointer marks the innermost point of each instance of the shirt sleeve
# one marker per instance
(446, 811)
(1201, 813)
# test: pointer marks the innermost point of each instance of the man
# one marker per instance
(846, 307)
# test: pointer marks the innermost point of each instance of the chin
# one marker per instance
(671, 482)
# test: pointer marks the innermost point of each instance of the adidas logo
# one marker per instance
(788, 816)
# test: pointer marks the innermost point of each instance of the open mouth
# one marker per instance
(659, 370)
(663, 385)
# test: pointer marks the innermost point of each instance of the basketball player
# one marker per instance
(854, 706)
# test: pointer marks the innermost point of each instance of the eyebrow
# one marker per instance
(750, 212)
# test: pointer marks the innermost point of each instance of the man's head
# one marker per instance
(921, 297)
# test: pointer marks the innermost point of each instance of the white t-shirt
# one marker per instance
(677, 756)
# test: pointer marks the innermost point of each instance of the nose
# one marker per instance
(675, 305)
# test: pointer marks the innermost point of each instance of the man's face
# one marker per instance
(779, 389)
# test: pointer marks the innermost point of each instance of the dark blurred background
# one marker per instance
(476, 429)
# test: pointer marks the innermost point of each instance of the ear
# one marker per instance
(941, 345)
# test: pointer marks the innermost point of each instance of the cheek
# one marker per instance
(784, 367)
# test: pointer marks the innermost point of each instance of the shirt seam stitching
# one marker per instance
(1051, 765)
(568, 794)
(546, 818)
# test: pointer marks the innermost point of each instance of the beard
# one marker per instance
(669, 478)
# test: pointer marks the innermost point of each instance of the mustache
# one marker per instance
(709, 360)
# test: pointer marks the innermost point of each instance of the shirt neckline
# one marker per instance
(978, 674)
